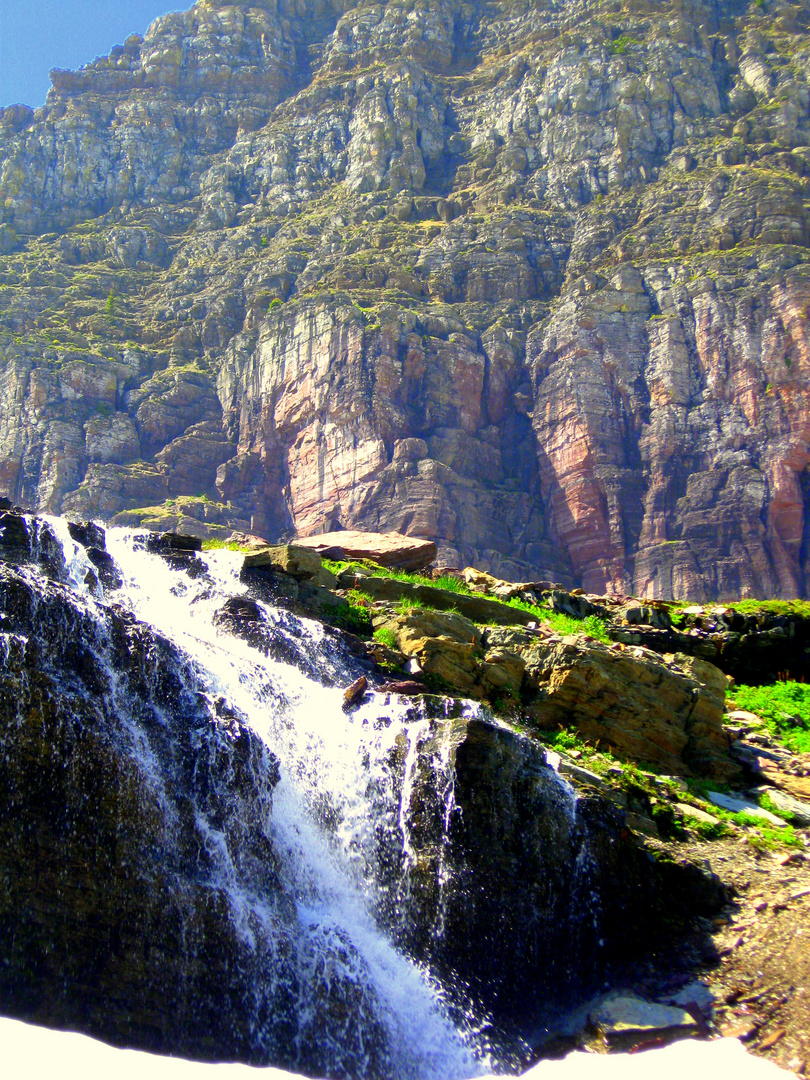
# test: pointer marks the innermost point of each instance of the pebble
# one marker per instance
(771, 1040)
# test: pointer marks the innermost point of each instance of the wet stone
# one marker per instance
(15, 540)
(160, 543)
(88, 534)
(108, 573)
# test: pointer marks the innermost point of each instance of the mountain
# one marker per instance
(529, 279)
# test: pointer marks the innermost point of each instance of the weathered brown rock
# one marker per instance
(353, 694)
(392, 550)
(669, 714)
(293, 559)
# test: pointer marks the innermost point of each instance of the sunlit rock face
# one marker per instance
(528, 283)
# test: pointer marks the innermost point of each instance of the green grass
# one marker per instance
(223, 545)
(386, 636)
(409, 604)
(451, 584)
(772, 607)
(561, 623)
(785, 708)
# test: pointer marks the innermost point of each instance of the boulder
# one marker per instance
(639, 704)
(391, 549)
(295, 560)
(511, 886)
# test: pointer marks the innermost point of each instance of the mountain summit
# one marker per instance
(530, 280)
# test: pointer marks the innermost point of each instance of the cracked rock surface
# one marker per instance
(530, 282)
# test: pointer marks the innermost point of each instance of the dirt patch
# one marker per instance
(744, 973)
(762, 980)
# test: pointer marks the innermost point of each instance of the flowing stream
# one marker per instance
(332, 768)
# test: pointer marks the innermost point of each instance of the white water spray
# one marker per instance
(331, 764)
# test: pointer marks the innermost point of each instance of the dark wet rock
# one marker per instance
(167, 542)
(280, 637)
(109, 909)
(88, 534)
(540, 895)
(15, 538)
(108, 573)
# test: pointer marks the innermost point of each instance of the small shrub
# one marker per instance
(669, 825)
(386, 636)
(711, 830)
(355, 618)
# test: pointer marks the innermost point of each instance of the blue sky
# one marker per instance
(37, 35)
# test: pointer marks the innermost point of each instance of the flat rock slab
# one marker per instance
(798, 786)
(697, 814)
(738, 805)
(695, 993)
(624, 1013)
(393, 550)
(740, 716)
(788, 804)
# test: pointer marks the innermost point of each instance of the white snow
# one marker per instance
(35, 1053)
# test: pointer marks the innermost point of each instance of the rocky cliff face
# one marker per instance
(151, 895)
(529, 281)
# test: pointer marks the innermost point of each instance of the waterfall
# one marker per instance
(344, 848)
(331, 771)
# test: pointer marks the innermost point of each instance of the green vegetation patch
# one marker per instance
(772, 607)
(563, 624)
(785, 708)
(622, 43)
(224, 545)
(386, 636)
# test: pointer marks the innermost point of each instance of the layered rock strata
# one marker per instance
(530, 284)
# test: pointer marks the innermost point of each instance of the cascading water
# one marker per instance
(294, 854)
(327, 759)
